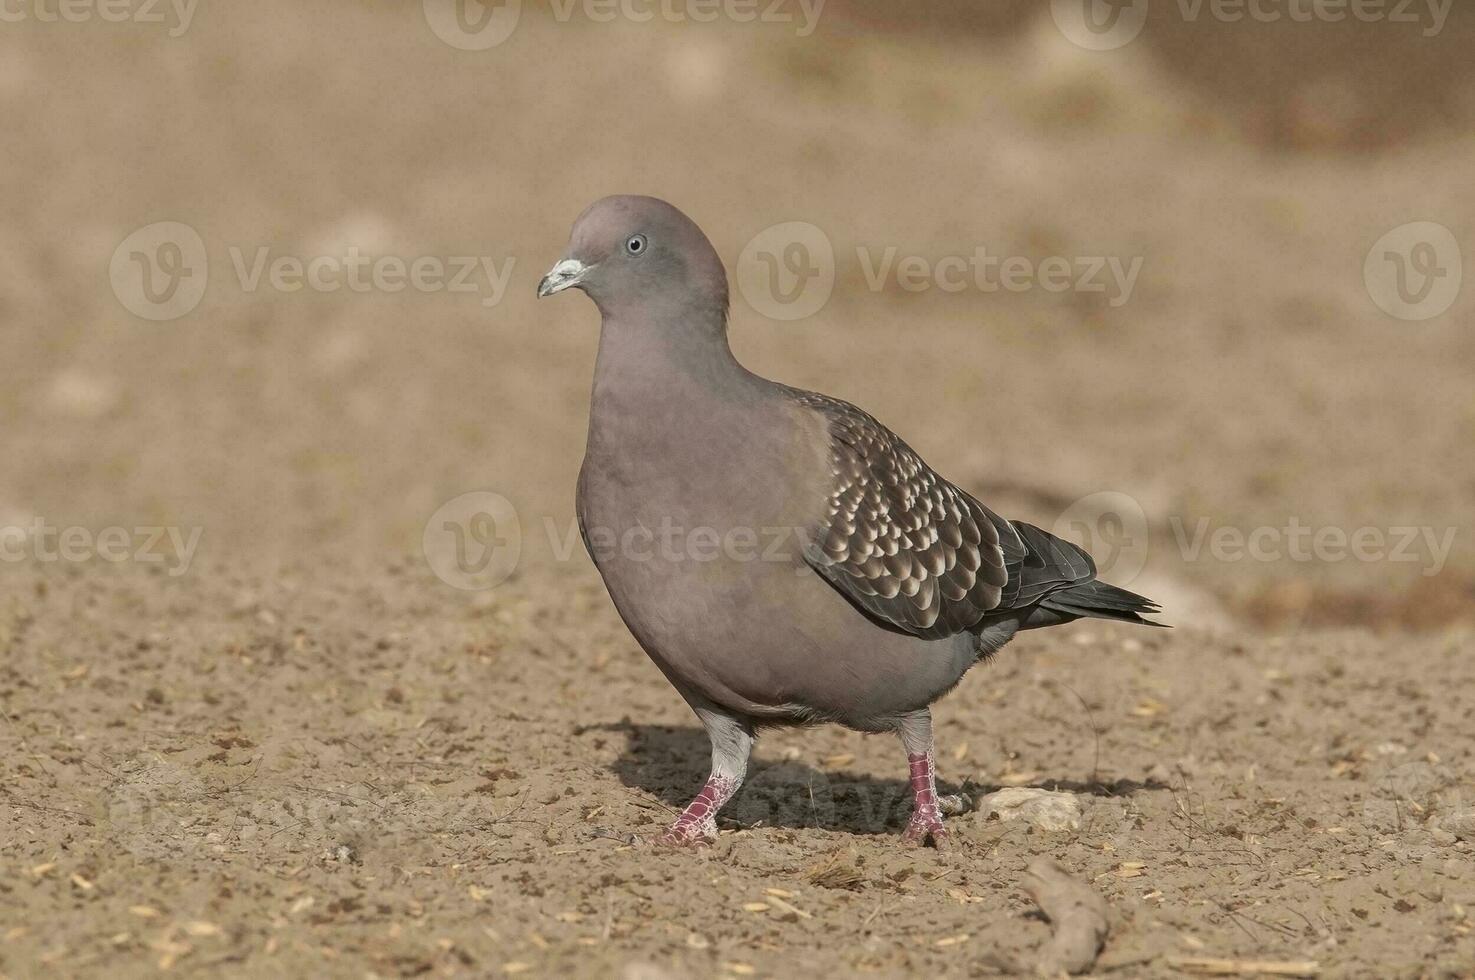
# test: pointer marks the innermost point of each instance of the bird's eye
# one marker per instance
(635, 244)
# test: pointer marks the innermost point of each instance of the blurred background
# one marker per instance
(1260, 372)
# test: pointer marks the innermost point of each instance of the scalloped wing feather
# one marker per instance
(897, 539)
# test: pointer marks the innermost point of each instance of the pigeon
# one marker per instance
(782, 556)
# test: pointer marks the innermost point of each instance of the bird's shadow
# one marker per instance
(670, 762)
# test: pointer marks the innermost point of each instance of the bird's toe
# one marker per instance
(922, 831)
(955, 805)
(687, 835)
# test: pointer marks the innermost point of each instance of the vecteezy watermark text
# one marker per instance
(177, 14)
(1428, 15)
(361, 273)
(474, 541)
(804, 13)
(1300, 542)
(788, 271)
(670, 542)
(142, 544)
(161, 271)
(478, 25)
(1103, 25)
(987, 273)
(1114, 529)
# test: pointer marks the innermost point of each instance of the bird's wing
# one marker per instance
(899, 541)
(1046, 564)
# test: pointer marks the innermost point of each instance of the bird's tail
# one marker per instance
(1098, 600)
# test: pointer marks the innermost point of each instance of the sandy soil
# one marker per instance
(378, 776)
(302, 753)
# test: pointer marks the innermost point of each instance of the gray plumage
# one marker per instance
(889, 583)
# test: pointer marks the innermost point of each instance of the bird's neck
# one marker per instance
(641, 367)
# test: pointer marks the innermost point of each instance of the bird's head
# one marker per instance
(639, 256)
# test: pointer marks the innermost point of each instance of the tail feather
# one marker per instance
(1099, 600)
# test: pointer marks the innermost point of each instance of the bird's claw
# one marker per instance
(923, 828)
(668, 839)
(955, 805)
(688, 834)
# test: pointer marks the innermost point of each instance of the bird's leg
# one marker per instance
(732, 740)
(927, 807)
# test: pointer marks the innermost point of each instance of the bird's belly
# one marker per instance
(731, 612)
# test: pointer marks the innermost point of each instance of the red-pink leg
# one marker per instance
(732, 740)
(697, 825)
(927, 807)
(926, 818)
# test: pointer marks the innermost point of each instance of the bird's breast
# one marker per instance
(699, 531)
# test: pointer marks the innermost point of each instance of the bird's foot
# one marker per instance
(688, 833)
(925, 827)
(697, 825)
(927, 807)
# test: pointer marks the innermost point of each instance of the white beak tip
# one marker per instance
(568, 272)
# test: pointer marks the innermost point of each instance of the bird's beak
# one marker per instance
(568, 272)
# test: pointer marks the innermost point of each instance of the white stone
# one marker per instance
(1461, 823)
(1040, 808)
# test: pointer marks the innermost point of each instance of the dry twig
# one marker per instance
(1076, 912)
(1211, 966)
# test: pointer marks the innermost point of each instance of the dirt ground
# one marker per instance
(275, 740)
(379, 776)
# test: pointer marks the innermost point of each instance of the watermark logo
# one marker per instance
(473, 25)
(160, 271)
(1099, 25)
(787, 794)
(787, 271)
(473, 542)
(1406, 795)
(1415, 271)
(144, 813)
(1112, 528)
